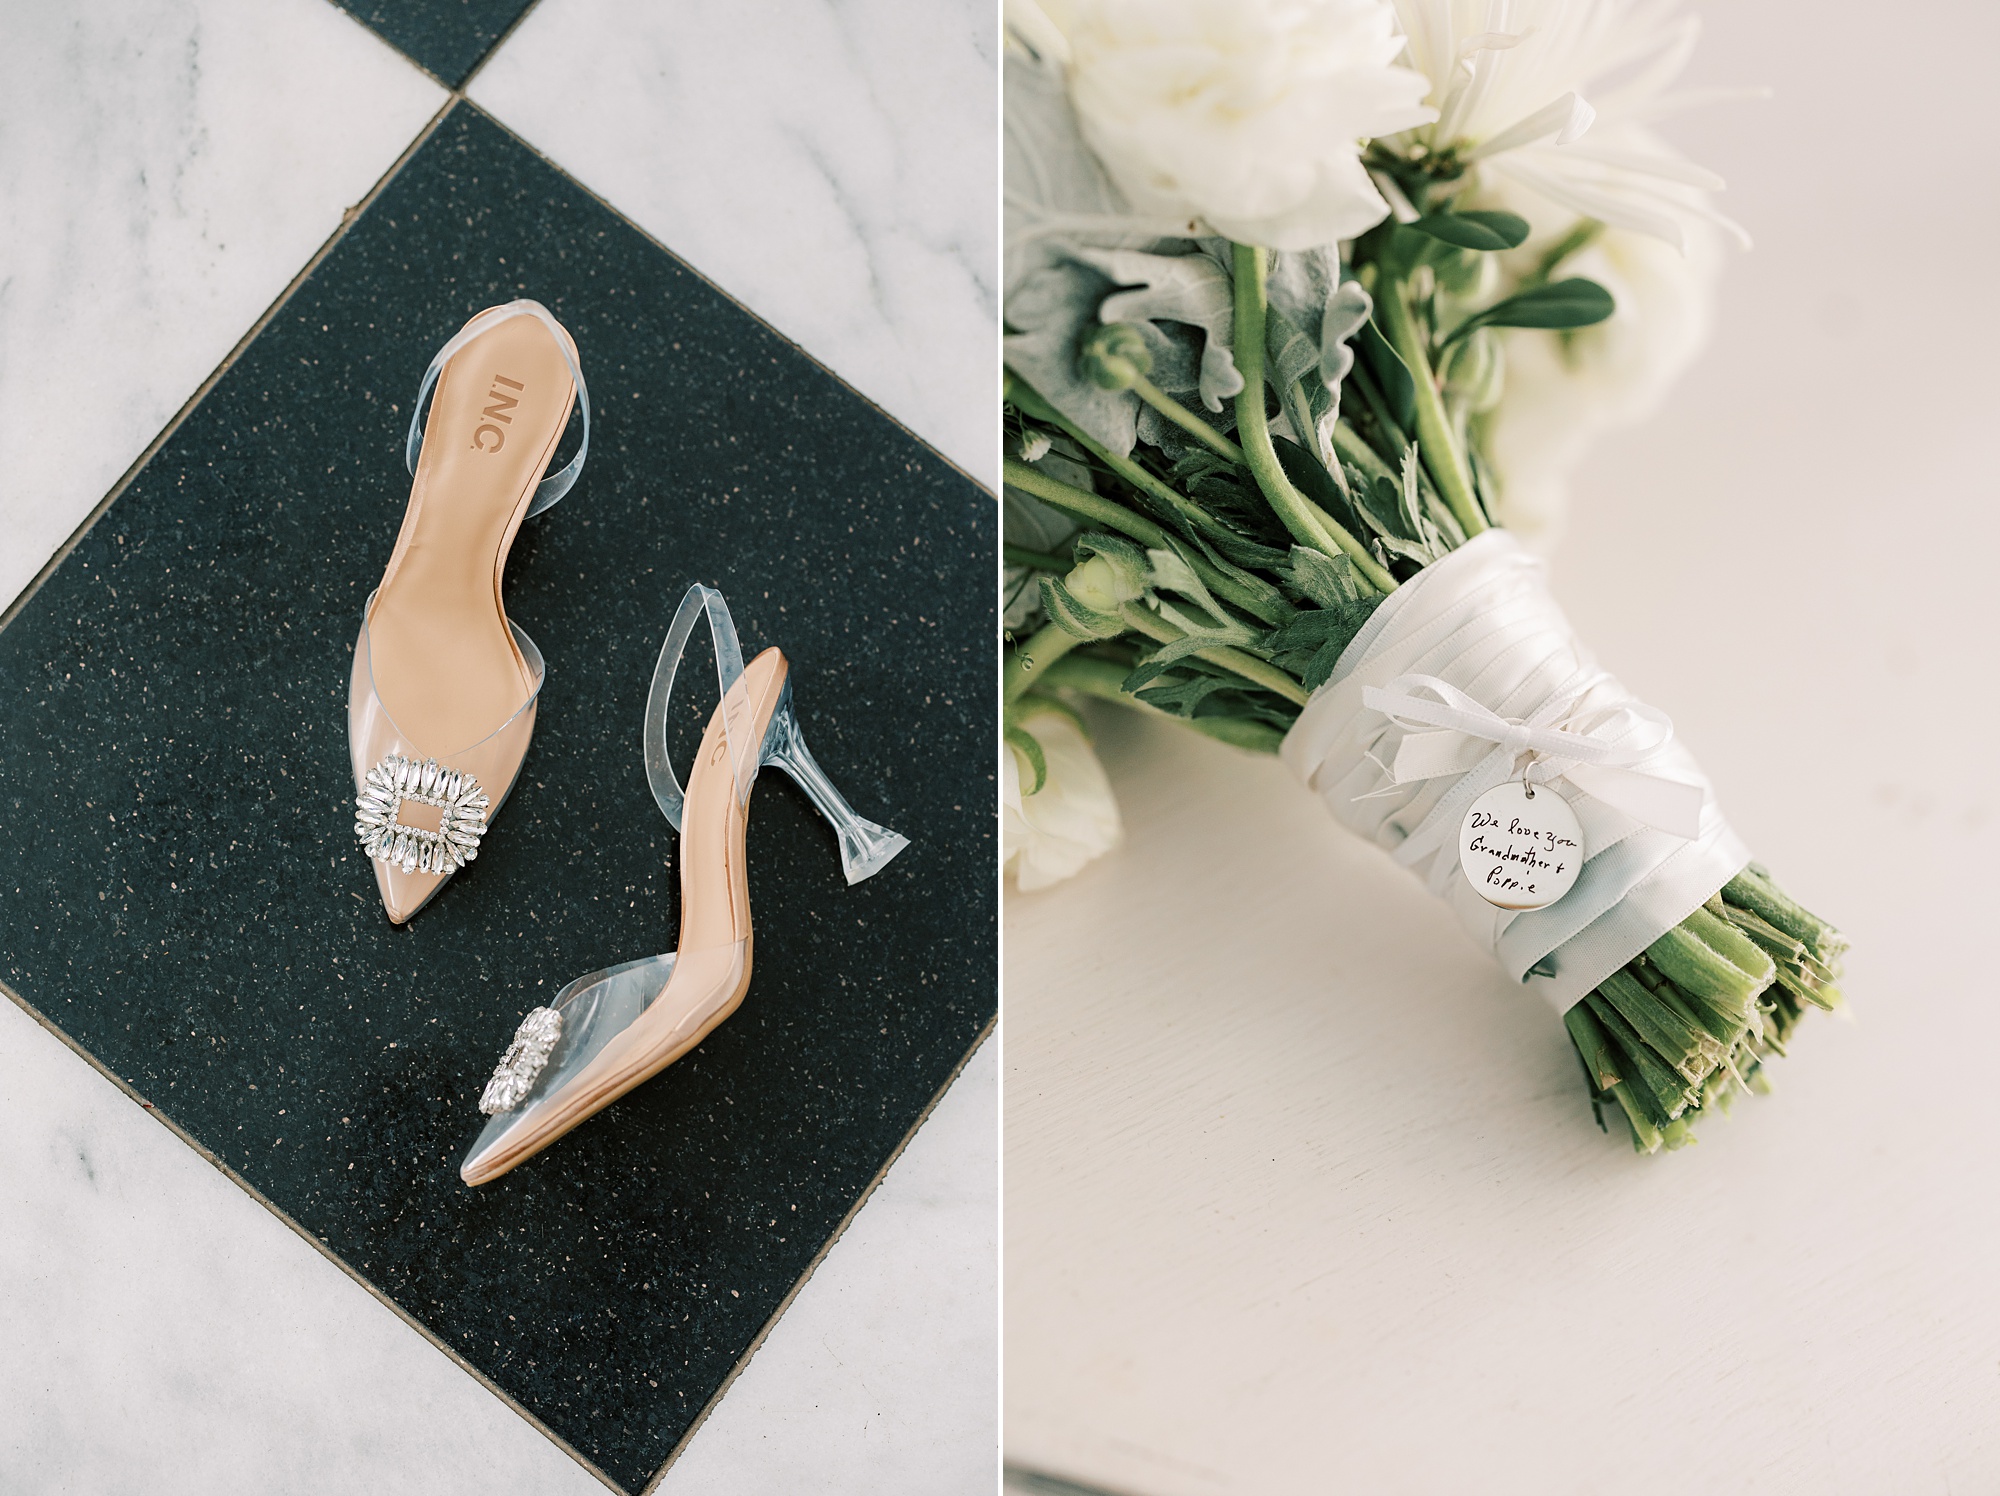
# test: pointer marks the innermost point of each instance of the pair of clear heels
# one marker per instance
(438, 664)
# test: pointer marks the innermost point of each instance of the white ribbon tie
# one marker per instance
(1599, 754)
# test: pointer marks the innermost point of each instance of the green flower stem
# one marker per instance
(1252, 669)
(1021, 555)
(1378, 410)
(1702, 1003)
(1105, 680)
(1691, 964)
(1099, 510)
(1081, 502)
(1348, 443)
(1094, 676)
(1289, 505)
(1027, 663)
(1578, 238)
(1191, 514)
(1298, 409)
(1434, 432)
(1188, 421)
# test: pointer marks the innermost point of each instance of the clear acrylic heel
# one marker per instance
(865, 848)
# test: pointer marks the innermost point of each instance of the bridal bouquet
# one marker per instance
(1310, 306)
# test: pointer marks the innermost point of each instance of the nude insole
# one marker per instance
(715, 890)
(712, 969)
(445, 663)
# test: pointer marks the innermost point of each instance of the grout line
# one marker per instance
(805, 353)
(316, 1243)
(493, 51)
(457, 91)
(827, 1246)
(347, 220)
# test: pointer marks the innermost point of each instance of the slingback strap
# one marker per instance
(556, 484)
(865, 848)
(699, 601)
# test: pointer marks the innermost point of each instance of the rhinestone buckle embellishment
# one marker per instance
(515, 1075)
(459, 801)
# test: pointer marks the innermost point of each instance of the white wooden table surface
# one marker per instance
(1301, 1196)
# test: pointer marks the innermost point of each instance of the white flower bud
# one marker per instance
(1071, 820)
(1101, 584)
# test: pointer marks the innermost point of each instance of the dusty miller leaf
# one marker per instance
(1330, 581)
(1185, 288)
(1058, 195)
(1048, 314)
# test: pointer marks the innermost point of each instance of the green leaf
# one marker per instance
(1188, 288)
(1024, 743)
(1172, 572)
(1179, 694)
(1410, 504)
(1391, 375)
(1311, 644)
(1128, 556)
(1249, 581)
(1208, 633)
(1330, 581)
(1479, 228)
(1381, 506)
(1312, 629)
(1560, 304)
(1048, 315)
(1319, 670)
(1310, 477)
(1166, 657)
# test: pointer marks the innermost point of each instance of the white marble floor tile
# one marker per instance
(831, 165)
(165, 170)
(882, 1379)
(165, 1333)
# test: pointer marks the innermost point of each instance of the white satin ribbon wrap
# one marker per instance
(1476, 648)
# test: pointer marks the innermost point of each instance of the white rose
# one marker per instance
(1241, 117)
(1072, 820)
(1563, 392)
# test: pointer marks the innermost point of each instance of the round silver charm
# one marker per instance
(1521, 846)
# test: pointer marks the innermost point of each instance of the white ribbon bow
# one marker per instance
(1598, 756)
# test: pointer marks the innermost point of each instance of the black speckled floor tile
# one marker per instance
(444, 37)
(181, 893)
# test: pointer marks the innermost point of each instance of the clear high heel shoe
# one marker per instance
(441, 698)
(609, 1031)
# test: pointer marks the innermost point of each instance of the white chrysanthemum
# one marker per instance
(1071, 821)
(1239, 117)
(1563, 392)
(1546, 94)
